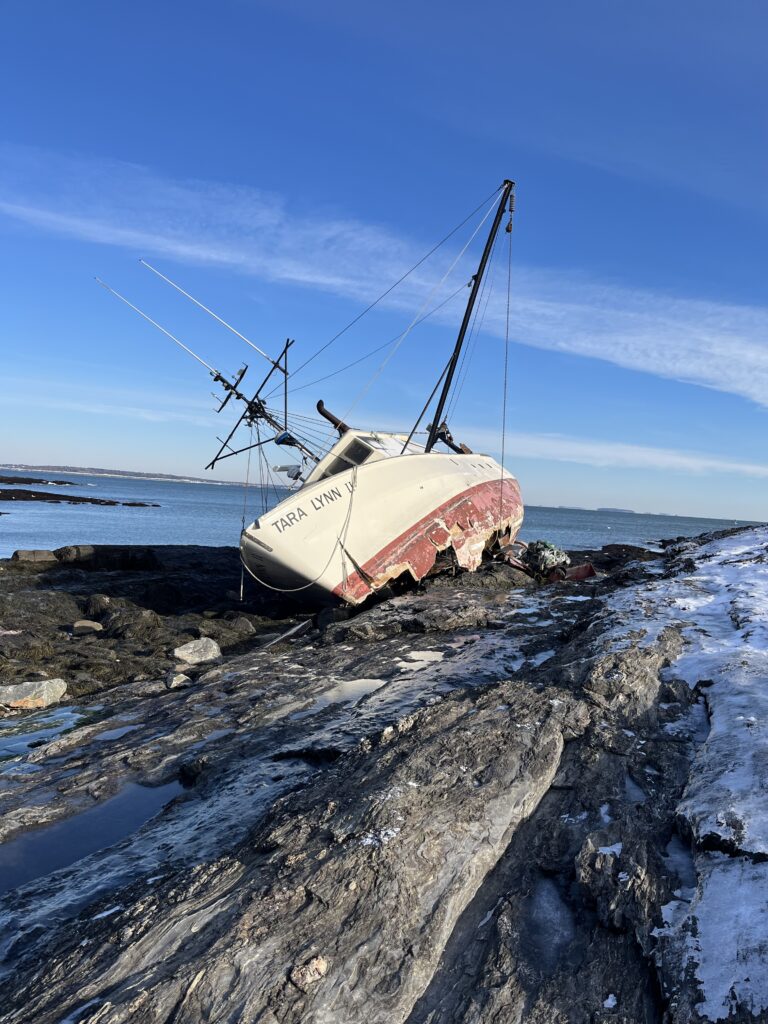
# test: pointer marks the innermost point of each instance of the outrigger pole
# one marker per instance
(436, 427)
(211, 313)
(255, 409)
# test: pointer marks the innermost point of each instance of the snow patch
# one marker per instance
(611, 851)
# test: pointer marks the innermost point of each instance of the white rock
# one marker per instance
(198, 651)
(85, 627)
(38, 694)
(177, 681)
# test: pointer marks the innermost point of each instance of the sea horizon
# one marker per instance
(213, 516)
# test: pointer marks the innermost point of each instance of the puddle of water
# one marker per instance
(634, 793)
(115, 734)
(45, 850)
(19, 734)
(424, 656)
(348, 692)
(211, 737)
(77, 1013)
(540, 658)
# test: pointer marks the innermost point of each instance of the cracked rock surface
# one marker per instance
(482, 801)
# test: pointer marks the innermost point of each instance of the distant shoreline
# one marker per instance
(19, 467)
(171, 478)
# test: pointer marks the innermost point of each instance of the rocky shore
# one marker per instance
(22, 494)
(16, 480)
(480, 801)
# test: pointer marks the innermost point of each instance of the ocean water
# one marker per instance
(211, 514)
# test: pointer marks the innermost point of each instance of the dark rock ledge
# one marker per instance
(459, 805)
(19, 480)
(22, 494)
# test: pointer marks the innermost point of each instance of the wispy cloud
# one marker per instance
(119, 403)
(607, 454)
(710, 344)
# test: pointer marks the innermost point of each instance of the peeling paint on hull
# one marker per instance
(467, 523)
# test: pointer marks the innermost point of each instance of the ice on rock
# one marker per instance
(719, 926)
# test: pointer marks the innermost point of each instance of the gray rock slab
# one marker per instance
(34, 555)
(38, 694)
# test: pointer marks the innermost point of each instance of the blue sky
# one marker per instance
(287, 161)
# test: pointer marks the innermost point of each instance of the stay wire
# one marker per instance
(378, 348)
(398, 282)
(247, 477)
(245, 509)
(364, 390)
(474, 333)
(506, 372)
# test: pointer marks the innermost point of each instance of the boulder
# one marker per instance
(86, 627)
(98, 605)
(75, 553)
(34, 555)
(35, 694)
(198, 651)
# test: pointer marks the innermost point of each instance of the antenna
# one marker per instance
(255, 409)
(209, 311)
(154, 323)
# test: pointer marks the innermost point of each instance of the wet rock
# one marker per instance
(198, 651)
(496, 576)
(478, 805)
(21, 494)
(36, 694)
(17, 480)
(86, 627)
(419, 613)
(149, 600)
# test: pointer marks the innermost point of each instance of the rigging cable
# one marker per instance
(245, 508)
(474, 332)
(364, 390)
(506, 370)
(398, 282)
(373, 351)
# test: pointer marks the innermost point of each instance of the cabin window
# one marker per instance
(354, 454)
(357, 452)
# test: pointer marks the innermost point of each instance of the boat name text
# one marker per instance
(316, 503)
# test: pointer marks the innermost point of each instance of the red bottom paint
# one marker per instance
(460, 523)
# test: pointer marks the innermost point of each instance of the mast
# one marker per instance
(434, 429)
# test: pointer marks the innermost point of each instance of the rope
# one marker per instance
(340, 540)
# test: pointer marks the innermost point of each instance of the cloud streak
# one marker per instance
(122, 404)
(614, 455)
(709, 344)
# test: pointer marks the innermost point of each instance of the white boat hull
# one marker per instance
(350, 534)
